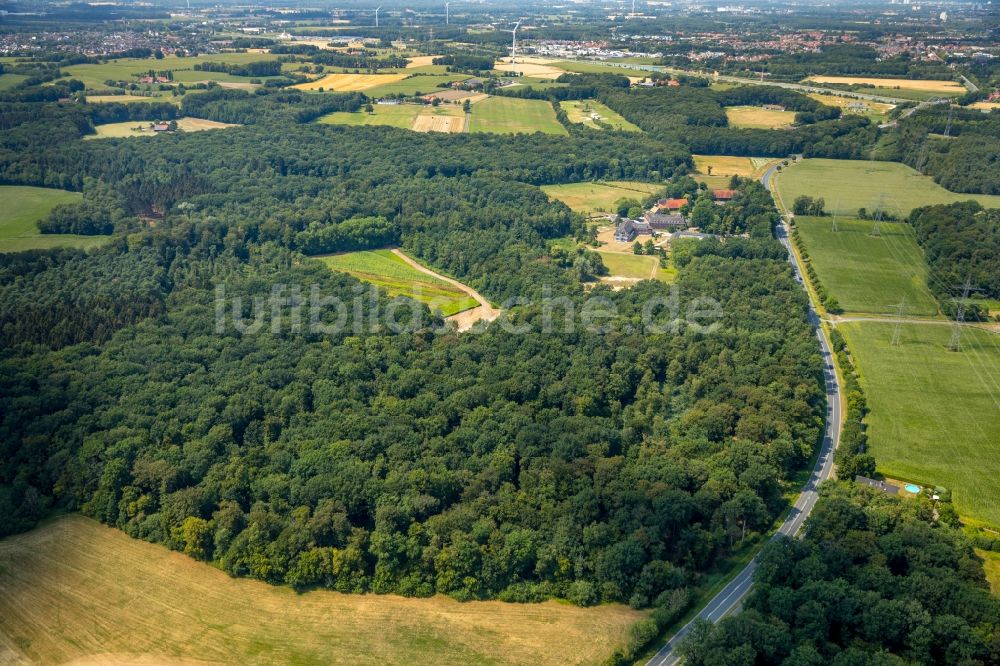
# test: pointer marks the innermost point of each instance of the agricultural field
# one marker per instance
(936, 87)
(728, 165)
(23, 208)
(985, 106)
(389, 272)
(867, 273)
(536, 67)
(349, 82)
(877, 111)
(418, 117)
(78, 591)
(507, 115)
(579, 111)
(414, 84)
(588, 198)
(125, 69)
(848, 185)
(933, 411)
(8, 81)
(755, 117)
(131, 99)
(590, 67)
(142, 128)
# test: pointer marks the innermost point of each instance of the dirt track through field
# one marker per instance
(464, 320)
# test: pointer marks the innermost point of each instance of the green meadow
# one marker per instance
(384, 269)
(867, 273)
(579, 111)
(423, 84)
(600, 197)
(935, 413)
(848, 185)
(23, 208)
(508, 115)
(125, 69)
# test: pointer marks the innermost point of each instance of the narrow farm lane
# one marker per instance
(484, 312)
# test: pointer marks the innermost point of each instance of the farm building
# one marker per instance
(857, 107)
(626, 231)
(723, 195)
(161, 127)
(877, 485)
(774, 107)
(672, 204)
(661, 221)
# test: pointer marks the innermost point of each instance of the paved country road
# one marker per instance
(730, 599)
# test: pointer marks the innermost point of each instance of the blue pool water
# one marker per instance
(910, 488)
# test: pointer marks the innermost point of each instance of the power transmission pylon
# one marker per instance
(947, 127)
(955, 344)
(877, 229)
(899, 322)
(836, 207)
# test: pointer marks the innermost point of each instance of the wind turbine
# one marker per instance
(376, 16)
(447, 13)
(513, 43)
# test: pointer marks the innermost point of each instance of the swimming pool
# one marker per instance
(911, 488)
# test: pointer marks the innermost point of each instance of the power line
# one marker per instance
(877, 230)
(955, 344)
(899, 322)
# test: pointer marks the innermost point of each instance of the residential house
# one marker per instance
(722, 196)
(878, 485)
(626, 232)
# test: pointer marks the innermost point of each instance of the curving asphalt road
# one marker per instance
(730, 598)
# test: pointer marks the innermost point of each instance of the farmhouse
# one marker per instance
(661, 221)
(672, 204)
(878, 485)
(626, 231)
(722, 196)
(161, 127)
(774, 107)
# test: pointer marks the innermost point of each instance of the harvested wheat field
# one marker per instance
(725, 165)
(78, 591)
(432, 122)
(984, 106)
(350, 82)
(939, 86)
(537, 67)
(420, 61)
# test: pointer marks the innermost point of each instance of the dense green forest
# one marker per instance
(850, 60)
(876, 580)
(593, 464)
(962, 244)
(959, 148)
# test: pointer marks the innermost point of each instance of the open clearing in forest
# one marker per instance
(588, 198)
(874, 110)
(417, 117)
(756, 117)
(931, 86)
(77, 591)
(131, 99)
(142, 128)
(398, 278)
(349, 82)
(581, 111)
(848, 185)
(509, 115)
(991, 565)
(23, 208)
(933, 417)
(866, 273)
